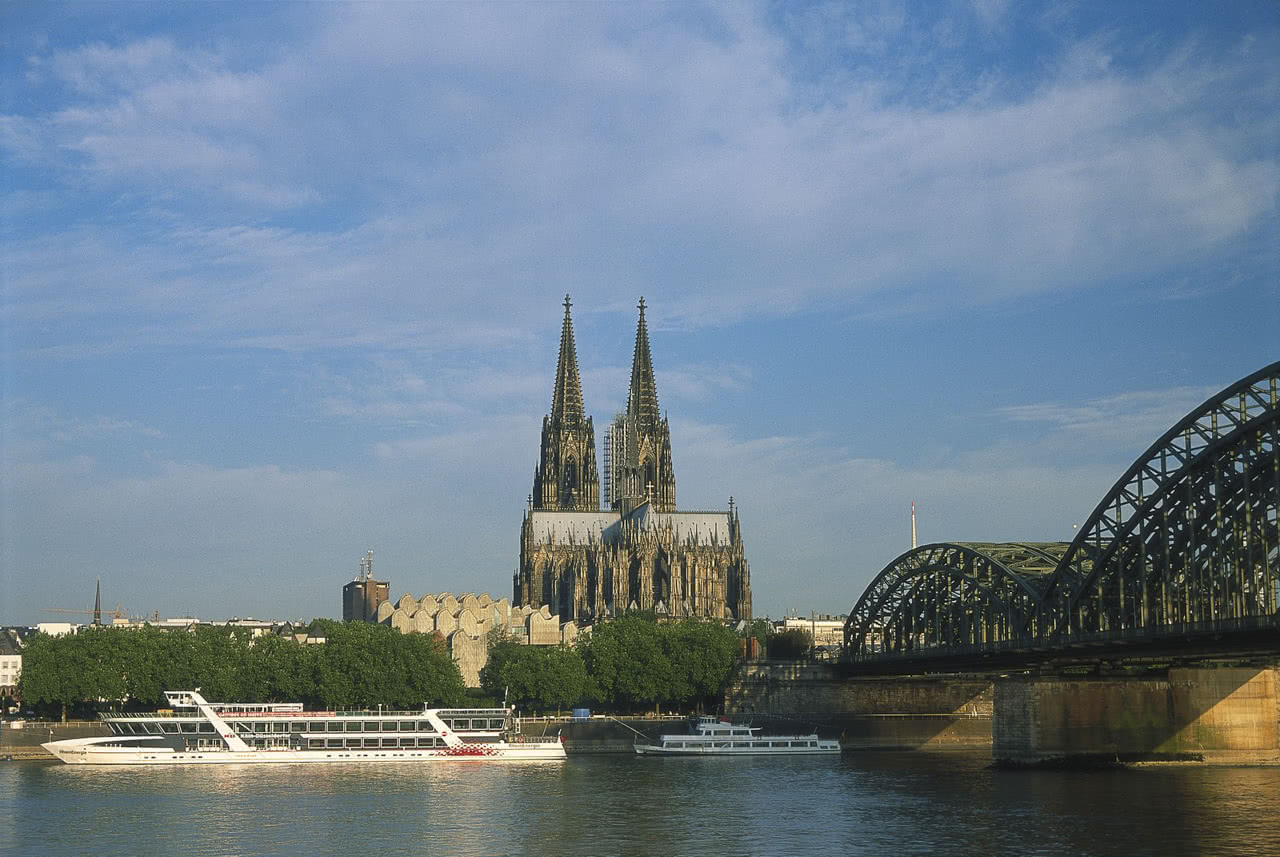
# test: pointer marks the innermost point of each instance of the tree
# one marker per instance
(537, 677)
(789, 644)
(633, 661)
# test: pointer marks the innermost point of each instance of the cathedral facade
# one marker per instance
(585, 562)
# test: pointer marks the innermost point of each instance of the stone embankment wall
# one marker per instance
(867, 713)
(24, 742)
(602, 734)
(1223, 715)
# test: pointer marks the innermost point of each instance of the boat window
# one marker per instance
(371, 742)
(372, 726)
(315, 727)
(279, 727)
(497, 723)
(316, 743)
(333, 742)
(425, 726)
(461, 723)
(406, 742)
(353, 742)
(261, 726)
(353, 725)
(297, 726)
(408, 726)
(170, 728)
(334, 726)
(206, 727)
(388, 742)
(428, 742)
(188, 727)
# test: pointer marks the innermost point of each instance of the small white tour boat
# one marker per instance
(712, 736)
(205, 733)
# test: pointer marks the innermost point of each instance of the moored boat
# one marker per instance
(196, 731)
(711, 736)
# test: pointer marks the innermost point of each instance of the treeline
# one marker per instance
(359, 665)
(631, 663)
(628, 664)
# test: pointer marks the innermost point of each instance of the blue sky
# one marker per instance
(283, 282)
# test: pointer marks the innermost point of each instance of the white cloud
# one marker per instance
(612, 152)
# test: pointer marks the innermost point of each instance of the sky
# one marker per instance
(283, 282)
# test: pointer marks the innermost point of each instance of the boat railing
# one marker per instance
(238, 711)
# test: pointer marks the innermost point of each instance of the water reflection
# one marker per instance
(879, 803)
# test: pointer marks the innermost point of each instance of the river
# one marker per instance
(876, 803)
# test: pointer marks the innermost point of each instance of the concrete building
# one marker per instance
(11, 640)
(362, 597)
(466, 623)
(827, 631)
(585, 563)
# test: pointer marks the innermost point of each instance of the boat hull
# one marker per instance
(89, 751)
(658, 750)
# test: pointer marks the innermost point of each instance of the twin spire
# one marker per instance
(637, 448)
(642, 397)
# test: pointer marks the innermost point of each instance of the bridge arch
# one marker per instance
(963, 594)
(1189, 533)
(1187, 540)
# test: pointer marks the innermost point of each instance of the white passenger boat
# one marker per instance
(711, 736)
(206, 733)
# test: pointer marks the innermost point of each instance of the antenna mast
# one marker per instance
(913, 524)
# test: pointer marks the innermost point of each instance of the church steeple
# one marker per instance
(566, 402)
(642, 398)
(566, 477)
(639, 442)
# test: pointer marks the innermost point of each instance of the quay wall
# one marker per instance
(24, 742)
(868, 713)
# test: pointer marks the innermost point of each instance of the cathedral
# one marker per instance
(638, 553)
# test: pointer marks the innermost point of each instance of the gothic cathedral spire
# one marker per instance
(639, 441)
(566, 478)
(642, 398)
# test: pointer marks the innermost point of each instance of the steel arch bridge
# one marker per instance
(1186, 542)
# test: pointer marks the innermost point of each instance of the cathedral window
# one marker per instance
(570, 481)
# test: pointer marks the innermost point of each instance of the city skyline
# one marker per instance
(284, 282)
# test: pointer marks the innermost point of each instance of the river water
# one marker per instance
(859, 803)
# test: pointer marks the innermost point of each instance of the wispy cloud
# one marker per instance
(693, 163)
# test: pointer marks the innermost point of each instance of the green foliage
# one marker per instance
(537, 677)
(361, 665)
(759, 629)
(633, 662)
(789, 644)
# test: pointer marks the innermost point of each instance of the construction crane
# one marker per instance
(118, 614)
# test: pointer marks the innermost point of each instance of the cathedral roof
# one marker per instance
(642, 398)
(702, 528)
(580, 528)
(566, 402)
(563, 528)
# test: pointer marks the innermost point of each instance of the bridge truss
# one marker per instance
(1187, 541)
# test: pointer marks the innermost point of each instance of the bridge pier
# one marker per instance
(1227, 715)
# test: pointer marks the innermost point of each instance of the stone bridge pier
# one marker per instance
(1224, 715)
